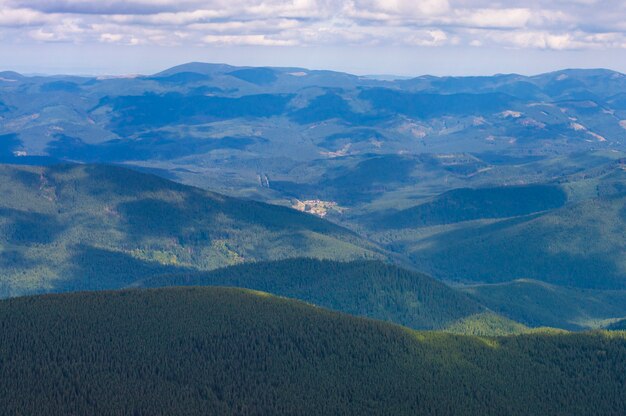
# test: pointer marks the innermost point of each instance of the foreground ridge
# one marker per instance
(234, 351)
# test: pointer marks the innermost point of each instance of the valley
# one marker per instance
(255, 240)
(312, 207)
(475, 181)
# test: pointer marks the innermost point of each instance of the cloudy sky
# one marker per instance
(405, 37)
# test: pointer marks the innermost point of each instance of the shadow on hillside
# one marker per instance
(29, 227)
(500, 252)
(99, 269)
(13, 259)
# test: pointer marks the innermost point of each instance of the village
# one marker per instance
(317, 207)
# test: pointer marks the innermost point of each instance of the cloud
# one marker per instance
(103, 6)
(21, 17)
(403, 8)
(257, 40)
(529, 24)
(490, 18)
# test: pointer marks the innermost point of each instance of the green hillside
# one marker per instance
(232, 351)
(74, 227)
(486, 324)
(470, 204)
(579, 245)
(541, 304)
(365, 288)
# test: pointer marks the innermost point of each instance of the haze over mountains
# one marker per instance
(279, 134)
(195, 110)
(473, 180)
(220, 223)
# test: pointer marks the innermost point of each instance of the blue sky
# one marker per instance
(441, 37)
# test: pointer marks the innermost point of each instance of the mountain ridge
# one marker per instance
(68, 227)
(364, 288)
(224, 351)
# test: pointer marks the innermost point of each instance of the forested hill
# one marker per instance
(578, 245)
(86, 227)
(367, 288)
(233, 351)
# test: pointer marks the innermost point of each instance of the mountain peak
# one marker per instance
(198, 67)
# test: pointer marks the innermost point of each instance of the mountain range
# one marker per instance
(94, 227)
(473, 180)
(258, 240)
(480, 182)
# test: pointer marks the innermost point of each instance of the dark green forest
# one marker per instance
(366, 288)
(234, 351)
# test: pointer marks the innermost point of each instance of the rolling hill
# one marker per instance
(233, 351)
(537, 303)
(365, 288)
(578, 245)
(488, 324)
(77, 227)
(568, 232)
(467, 204)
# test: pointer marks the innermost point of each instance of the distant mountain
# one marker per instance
(468, 176)
(279, 134)
(10, 76)
(556, 113)
(78, 227)
(197, 68)
(366, 288)
(232, 351)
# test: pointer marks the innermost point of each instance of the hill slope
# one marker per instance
(471, 204)
(366, 288)
(487, 324)
(579, 245)
(541, 304)
(75, 227)
(230, 351)
(618, 326)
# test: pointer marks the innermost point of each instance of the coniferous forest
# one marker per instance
(235, 351)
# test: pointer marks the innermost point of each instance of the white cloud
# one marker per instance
(404, 8)
(428, 38)
(254, 40)
(103, 6)
(111, 37)
(490, 18)
(533, 24)
(21, 17)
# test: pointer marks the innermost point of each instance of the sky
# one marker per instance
(402, 37)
